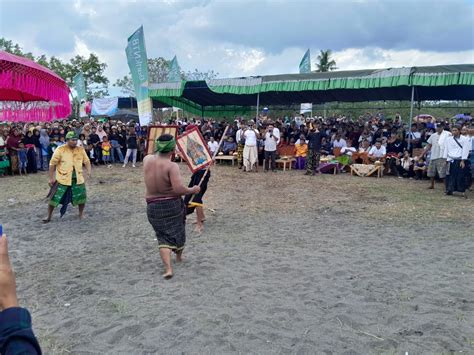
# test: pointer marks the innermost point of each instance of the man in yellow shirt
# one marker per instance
(68, 186)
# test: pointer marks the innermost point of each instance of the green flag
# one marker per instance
(138, 64)
(305, 67)
(80, 86)
(305, 64)
(174, 74)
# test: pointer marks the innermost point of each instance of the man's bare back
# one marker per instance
(163, 178)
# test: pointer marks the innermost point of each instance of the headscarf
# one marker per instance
(71, 135)
(44, 138)
(162, 146)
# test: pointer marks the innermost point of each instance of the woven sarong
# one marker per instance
(75, 194)
(240, 154)
(167, 217)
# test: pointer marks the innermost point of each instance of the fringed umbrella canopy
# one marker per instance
(31, 92)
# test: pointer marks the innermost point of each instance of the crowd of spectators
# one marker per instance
(26, 148)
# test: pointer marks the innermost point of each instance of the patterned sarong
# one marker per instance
(75, 194)
(240, 155)
(312, 161)
(167, 217)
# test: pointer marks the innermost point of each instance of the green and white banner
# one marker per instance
(174, 74)
(305, 67)
(80, 86)
(138, 64)
(305, 64)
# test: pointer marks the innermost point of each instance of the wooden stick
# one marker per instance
(213, 157)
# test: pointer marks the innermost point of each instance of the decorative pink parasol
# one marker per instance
(31, 92)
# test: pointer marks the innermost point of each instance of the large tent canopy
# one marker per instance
(221, 97)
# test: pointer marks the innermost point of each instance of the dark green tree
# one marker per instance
(325, 62)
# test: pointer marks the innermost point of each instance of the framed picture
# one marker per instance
(154, 132)
(194, 149)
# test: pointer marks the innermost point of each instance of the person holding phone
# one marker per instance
(16, 332)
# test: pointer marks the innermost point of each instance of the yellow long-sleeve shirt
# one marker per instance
(66, 160)
(301, 150)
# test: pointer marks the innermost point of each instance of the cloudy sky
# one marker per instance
(247, 37)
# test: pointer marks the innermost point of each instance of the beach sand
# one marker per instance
(288, 264)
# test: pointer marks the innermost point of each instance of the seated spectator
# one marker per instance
(301, 150)
(377, 152)
(339, 142)
(419, 169)
(405, 166)
(212, 145)
(229, 147)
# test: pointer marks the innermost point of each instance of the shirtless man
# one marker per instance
(165, 208)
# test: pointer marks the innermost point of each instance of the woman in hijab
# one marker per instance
(36, 139)
(4, 162)
(44, 143)
(29, 143)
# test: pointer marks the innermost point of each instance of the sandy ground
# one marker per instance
(288, 264)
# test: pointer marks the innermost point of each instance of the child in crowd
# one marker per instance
(106, 148)
(61, 141)
(91, 154)
(419, 169)
(51, 148)
(22, 158)
(405, 166)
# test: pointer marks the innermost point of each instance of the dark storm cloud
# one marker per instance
(275, 25)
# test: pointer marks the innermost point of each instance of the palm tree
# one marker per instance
(325, 61)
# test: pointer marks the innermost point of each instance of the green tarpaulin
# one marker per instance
(237, 96)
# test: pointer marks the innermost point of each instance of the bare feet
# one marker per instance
(199, 228)
(168, 275)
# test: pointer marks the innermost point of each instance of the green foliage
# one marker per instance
(197, 75)
(325, 63)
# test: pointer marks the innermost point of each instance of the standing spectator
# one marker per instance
(38, 150)
(101, 133)
(315, 139)
(456, 152)
(122, 139)
(94, 139)
(29, 145)
(44, 142)
(4, 162)
(106, 150)
(13, 142)
(22, 158)
(116, 146)
(272, 138)
(435, 146)
(250, 149)
(239, 137)
(132, 147)
(212, 145)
